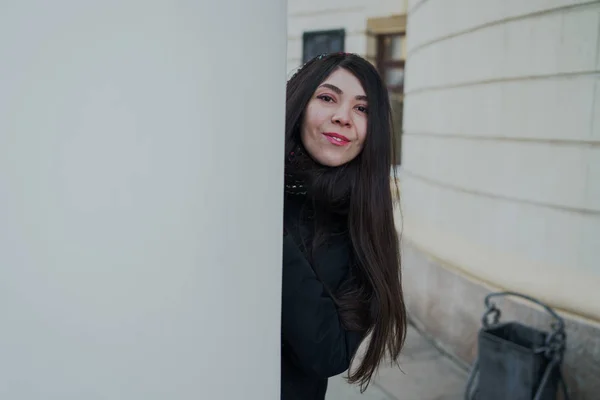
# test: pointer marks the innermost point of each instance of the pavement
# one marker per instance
(426, 374)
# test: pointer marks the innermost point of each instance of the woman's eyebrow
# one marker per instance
(339, 91)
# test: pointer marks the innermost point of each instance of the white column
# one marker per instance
(140, 198)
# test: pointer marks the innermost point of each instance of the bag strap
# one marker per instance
(555, 341)
(555, 363)
(491, 308)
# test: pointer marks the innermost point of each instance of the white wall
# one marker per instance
(501, 148)
(351, 15)
(140, 199)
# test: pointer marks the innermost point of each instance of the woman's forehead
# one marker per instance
(346, 81)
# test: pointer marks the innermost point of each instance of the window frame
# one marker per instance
(336, 33)
(384, 64)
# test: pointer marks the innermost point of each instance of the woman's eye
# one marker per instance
(362, 109)
(326, 98)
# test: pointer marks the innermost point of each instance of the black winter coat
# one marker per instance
(314, 344)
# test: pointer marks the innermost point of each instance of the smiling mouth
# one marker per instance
(336, 138)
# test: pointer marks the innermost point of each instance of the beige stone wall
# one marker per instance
(501, 170)
(501, 150)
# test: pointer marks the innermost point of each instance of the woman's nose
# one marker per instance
(341, 117)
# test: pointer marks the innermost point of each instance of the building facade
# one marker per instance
(501, 170)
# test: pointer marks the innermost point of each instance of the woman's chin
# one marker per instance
(329, 155)
(332, 159)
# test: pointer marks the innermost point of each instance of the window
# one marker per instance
(315, 43)
(391, 54)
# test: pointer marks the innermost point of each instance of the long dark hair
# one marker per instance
(361, 191)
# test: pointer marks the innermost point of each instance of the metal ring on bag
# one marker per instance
(493, 310)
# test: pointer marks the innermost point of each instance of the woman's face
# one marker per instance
(334, 127)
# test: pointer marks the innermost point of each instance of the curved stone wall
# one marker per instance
(501, 164)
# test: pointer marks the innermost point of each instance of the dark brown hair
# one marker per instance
(361, 190)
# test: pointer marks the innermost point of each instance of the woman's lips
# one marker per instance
(337, 139)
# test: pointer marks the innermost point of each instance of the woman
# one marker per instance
(341, 264)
